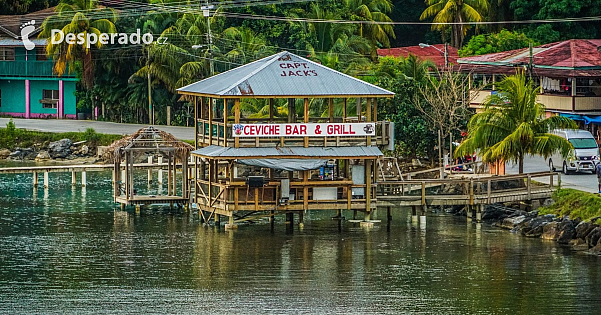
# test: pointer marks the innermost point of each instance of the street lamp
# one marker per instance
(445, 52)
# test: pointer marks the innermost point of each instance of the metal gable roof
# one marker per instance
(283, 75)
(214, 151)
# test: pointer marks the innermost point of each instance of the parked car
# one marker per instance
(583, 158)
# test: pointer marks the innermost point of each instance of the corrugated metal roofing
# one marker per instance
(432, 53)
(285, 75)
(579, 57)
(214, 151)
(10, 24)
(17, 42)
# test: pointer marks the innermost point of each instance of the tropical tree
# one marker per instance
(241, 45)
(77, 16)
(455, 11)
(513, 124)
(373, 10)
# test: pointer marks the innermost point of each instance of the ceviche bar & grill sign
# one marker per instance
(304, 130)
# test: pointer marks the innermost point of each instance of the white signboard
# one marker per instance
(304, 130)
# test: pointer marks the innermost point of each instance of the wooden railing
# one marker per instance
(482, 190)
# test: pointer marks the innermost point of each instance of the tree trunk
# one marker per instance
(521, 164)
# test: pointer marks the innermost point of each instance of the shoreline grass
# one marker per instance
(575, 204)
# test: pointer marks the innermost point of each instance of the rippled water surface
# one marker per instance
(71, 250)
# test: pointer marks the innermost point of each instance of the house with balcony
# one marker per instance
(441, 55)
(28, 86)
(568, 74)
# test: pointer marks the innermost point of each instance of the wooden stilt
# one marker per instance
(150, 169)
(73, 178)
(83, 179)
(230, 225)
(35, 179)
(160, 161)
(45, 179)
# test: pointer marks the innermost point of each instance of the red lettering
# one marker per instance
(306, 73)
(289, 65)
(299, 74)
(282, 65)
(288, 130)
(314, 73)
(305, 65)
(291, 73)
(303, 129)
(283, 74)
(296, 65)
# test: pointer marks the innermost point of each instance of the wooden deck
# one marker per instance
(147, 200)
(75, 168)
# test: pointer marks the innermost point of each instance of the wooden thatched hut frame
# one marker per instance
(149, 140)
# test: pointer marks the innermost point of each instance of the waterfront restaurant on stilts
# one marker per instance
(255, 158)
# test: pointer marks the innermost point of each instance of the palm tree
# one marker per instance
(77, 16)
(373, 10)
(243, 46)
(455, 11)
(513, 125)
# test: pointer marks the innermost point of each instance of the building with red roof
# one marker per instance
(568, 74)
(434, 53)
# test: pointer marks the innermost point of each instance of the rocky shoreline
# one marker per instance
(579, 235)
(61, 150)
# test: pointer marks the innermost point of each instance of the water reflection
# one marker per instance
(72, 252)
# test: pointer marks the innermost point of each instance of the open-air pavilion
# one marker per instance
(260, 161)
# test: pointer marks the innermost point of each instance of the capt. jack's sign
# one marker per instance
(304, 130)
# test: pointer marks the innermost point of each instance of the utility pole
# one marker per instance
(150, 110)
(206, 12)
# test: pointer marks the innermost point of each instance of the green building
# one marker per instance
(28, 86)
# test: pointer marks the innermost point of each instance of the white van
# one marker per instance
(583, 158)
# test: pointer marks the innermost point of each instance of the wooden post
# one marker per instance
(210, 121)
(331, 109)
(196, 122)
(368, 171)
(237, 120)
(389, 213)
(73, 178)
(423, 193)
(344, 110)
(210, 180)
(271, 111)
(368, 118)
(169, 174)
(35, 179)
(529, 186)
(225, 122)
(358, 100)
(305, 190)
(256, 193)
(160, 161)
(375, 107)
(488, 191)
(83, 179)
(551, 180)
(46, 179)
(150, 169)
(306, 120)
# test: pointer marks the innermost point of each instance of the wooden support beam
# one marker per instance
(210, 121)
(83, 179)
(306, 119)
(225, 122)
(160, 161)
(46, 184)
(368, 181)
(375, 107)
(73, 178)
(305, 190)
(344, 115)
(35, 179)
(237, 120)
(196, 122)
(331, 109)
(150, 169)
(271, 109)
(368, 118)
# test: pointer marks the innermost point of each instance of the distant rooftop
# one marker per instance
(572, 58)
(283, 75)
(428, 53)
(10, 24)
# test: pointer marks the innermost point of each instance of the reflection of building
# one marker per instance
(28, 86)
(273, 164)
(568, 74)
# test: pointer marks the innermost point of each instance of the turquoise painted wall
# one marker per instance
(13, 96)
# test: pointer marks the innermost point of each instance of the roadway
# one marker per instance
(71, 125)
(581, 181)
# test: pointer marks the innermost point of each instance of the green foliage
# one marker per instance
(575, 204)
(495, 42)
(513, 125)
(11, 138)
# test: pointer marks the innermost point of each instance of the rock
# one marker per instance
(534, 227)
(592, 238)
(510, 223)
(29, 154)
(4, 153)
(583, 228)
(15, 154)
(548, 202)
(596, 250)
(550, 230)
(84, 150)
(60, 148)
(42, 155)
(566, 231)
(578, 244)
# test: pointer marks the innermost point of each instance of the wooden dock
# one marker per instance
(473, 192)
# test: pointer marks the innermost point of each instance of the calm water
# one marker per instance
(69, 250)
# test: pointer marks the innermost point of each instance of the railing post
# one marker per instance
(488, 191)
(471, 191)
(551, 175)
(558, 180)
(423, 193)
(528, 186)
